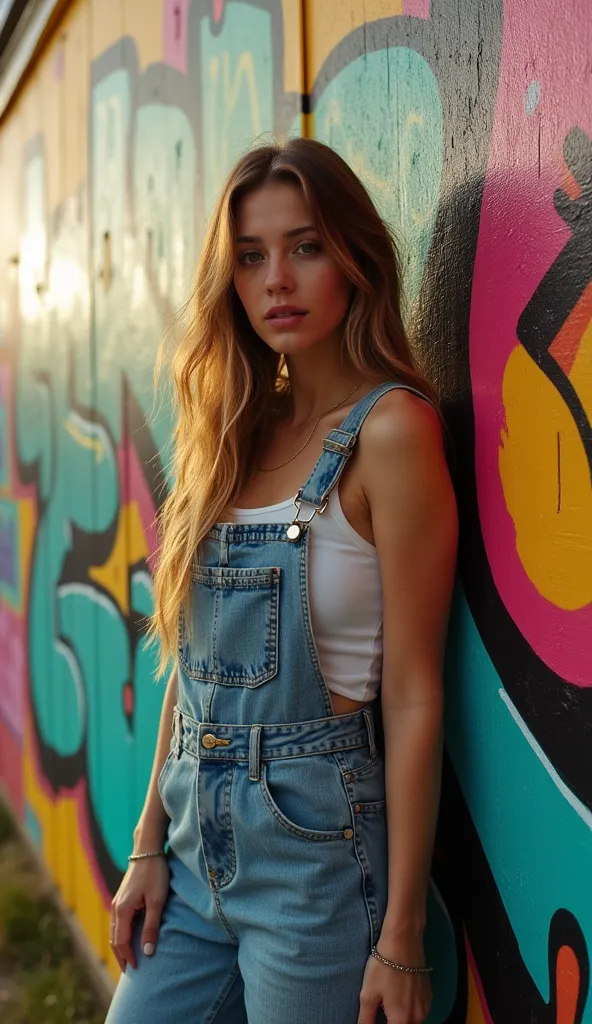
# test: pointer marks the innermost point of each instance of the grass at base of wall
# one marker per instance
(41, 979)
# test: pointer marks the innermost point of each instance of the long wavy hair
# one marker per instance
(229, 385)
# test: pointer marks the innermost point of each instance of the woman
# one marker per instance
(305, 573)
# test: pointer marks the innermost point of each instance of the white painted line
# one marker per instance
(580, 808)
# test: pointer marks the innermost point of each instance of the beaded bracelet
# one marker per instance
(141, 856)
(399, 967)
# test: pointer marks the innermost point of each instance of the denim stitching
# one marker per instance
(229, 875)
(369, 719)
(238, 532)
(366, 807)
(290, 746)
(218, 577)
(180, 632)
(210, 690)
(215, 632)
(295, 728)
(282, 752)
(229, 679)
(301, 833)
(364, 769)
(371, 908)
(310, 642)
(224, 677)
(273, 616)
(222, 755)
(223, 560)
(350, 776)
(222, 916)
(213, 888)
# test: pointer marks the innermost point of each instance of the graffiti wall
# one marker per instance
(470, 123)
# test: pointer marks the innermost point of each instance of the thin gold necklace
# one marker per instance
(317, 421)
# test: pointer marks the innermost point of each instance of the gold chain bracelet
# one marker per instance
(399, 967)
(141, 856)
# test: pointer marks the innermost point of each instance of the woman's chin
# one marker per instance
(292, 342)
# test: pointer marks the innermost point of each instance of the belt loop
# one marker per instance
(255, 753)
(177, 716)
(367, 712)
(224, 546)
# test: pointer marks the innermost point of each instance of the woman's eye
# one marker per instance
(308, 248)
(249, 257)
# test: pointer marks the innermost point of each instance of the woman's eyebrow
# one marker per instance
(287, 234)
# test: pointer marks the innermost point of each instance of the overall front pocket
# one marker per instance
(233, 639)
(306, 797)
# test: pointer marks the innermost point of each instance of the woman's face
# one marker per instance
(293, 293)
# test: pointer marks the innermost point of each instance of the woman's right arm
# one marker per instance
(145, 884)
(150, 832)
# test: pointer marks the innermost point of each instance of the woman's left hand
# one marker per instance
(405, 998)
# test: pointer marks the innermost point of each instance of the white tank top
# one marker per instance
(345, 596)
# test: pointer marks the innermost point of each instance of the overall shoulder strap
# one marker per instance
(339, 445)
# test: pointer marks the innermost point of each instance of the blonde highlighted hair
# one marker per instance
(229, 384)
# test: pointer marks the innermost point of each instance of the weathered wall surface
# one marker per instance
(471, 124)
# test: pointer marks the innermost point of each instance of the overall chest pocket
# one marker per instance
(233, 634)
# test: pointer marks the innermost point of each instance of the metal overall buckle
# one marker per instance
(298, 526)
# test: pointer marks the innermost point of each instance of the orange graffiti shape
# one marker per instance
(567, 342)
(568, 985)
(543, 466)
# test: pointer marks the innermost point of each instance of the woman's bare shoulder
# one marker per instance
(401, 422)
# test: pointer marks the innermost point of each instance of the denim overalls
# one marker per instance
(278, 843)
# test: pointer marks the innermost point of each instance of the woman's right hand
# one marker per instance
(145, 886)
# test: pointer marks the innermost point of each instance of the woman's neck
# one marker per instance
(315, 389)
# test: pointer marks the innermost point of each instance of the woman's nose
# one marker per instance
(279, 276)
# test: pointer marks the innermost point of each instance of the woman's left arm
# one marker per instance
(414, 520)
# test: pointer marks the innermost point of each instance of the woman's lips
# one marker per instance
(284, 321)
